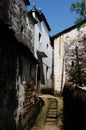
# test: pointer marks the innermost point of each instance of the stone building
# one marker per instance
(65, 44)
(42, 48)
(17, 65)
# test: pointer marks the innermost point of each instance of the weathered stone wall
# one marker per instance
(65, 54)
(4, 9)
(17, 80)
(74, 100)
(59, 66)
(21, 23)
(73, 39)
(8, 97)
(18, 67)
(14, 12)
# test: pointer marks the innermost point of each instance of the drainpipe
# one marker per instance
(36, 77)
(62, 76)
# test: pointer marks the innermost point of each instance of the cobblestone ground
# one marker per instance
(51, 119)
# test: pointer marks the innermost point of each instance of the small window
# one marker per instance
(47, 46)
(22, 29)
(72, 64)
(46, 72)
(39, 36)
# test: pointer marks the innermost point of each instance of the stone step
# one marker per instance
(52, 107)
(35, 128)
(52, 112)
(51, 116)
(50, 123)
(51, 120)
(53, 103)
(52, 99)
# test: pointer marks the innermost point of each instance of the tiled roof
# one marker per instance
(40, 16)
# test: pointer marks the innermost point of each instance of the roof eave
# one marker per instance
(44, 19)
(32, 18)
(67, 30)
(27, 2)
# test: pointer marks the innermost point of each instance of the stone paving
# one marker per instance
(52, 112)
(51, 118)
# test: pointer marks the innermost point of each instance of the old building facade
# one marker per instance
(65, 44)
(25, 62)
(42, 48)
(18, 65)
(17, 95)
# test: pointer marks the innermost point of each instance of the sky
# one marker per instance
(57, 13)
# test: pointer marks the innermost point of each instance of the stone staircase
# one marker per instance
(51, 118)
(52, 112)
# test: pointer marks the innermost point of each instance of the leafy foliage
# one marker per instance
(77, 75)
(47, 90)
(79, 8)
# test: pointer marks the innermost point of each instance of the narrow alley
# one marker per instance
(54, 116)
(41, 76)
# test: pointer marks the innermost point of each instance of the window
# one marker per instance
(47, 46)
(46, 72)
(39, 37)
(22, 29)
(72, 64)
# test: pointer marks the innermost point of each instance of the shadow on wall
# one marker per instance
(74, 109)
(10, 126)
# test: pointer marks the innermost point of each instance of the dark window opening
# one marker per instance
(21, 29)
(47, 46)
(38, 74)
(39, 36)
(72, 64)
(46, 72)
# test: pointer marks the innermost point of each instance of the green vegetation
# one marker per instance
(57, 94)
(41, 118)
(79, 9)
(77, 76)
(60, 112)
(30, 121)
(40, 121)
(47, 90)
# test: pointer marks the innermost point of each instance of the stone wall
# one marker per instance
(8, 97)
(15, 14)
(65, 44)
(18, 99)
(4, 9)
(73, 39)
(74, 111)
